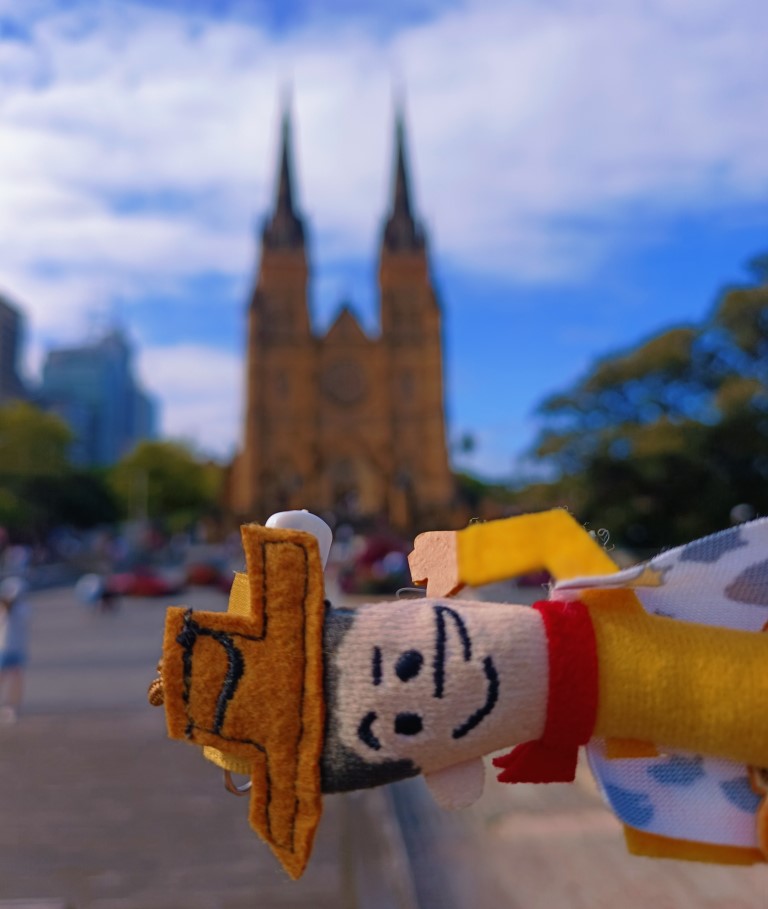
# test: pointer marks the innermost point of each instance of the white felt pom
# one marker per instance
(308, 522)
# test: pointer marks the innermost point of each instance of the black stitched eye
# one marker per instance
(408, 724)
(408, 665)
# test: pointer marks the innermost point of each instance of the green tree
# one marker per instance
(39, 489)
(79, 498)
(166, 481)
(660, 442)
(33, 447)
(32, 442)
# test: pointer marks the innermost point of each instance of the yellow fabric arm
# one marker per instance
(550, 540)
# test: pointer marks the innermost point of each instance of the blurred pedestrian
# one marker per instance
(14, 625)
(95, 590)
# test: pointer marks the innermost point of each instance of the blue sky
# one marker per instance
(588, 173)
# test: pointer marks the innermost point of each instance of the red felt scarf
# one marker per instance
(571, 702)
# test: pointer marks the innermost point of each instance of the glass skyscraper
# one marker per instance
(93, 388)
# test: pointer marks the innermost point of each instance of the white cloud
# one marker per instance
(537, 133)
(520, 118)
(199, 387)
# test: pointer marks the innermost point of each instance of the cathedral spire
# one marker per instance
(285, 229)
(401, 232)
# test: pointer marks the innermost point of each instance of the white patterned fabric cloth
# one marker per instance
(720, 580)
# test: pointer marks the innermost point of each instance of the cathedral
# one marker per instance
(344, 423)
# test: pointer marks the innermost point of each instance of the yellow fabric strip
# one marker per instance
(550, 540)
(227, 761)
(240, 595)
(652, 845)
(679, 684)
(621, 749)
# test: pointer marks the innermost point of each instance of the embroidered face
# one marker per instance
(432, 682)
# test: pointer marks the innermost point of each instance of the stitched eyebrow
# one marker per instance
(376, 664)
(441, 637)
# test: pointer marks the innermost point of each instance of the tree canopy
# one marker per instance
(32, 442)
(661, 442)
(39, 489)
(166, 481)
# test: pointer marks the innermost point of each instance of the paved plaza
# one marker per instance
(99, 810)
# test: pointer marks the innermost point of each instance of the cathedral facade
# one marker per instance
(344, 423)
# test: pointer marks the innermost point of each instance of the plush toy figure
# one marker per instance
(661, 670)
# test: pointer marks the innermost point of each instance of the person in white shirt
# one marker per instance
(14, 626)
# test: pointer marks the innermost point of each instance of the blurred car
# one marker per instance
(207, 566)
(207, 575)
(380, 568)
(145, 581)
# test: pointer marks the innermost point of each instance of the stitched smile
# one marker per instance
(365, 731)
(442, 613)
(491, 697)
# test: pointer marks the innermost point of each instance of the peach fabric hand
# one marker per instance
(434, 562)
